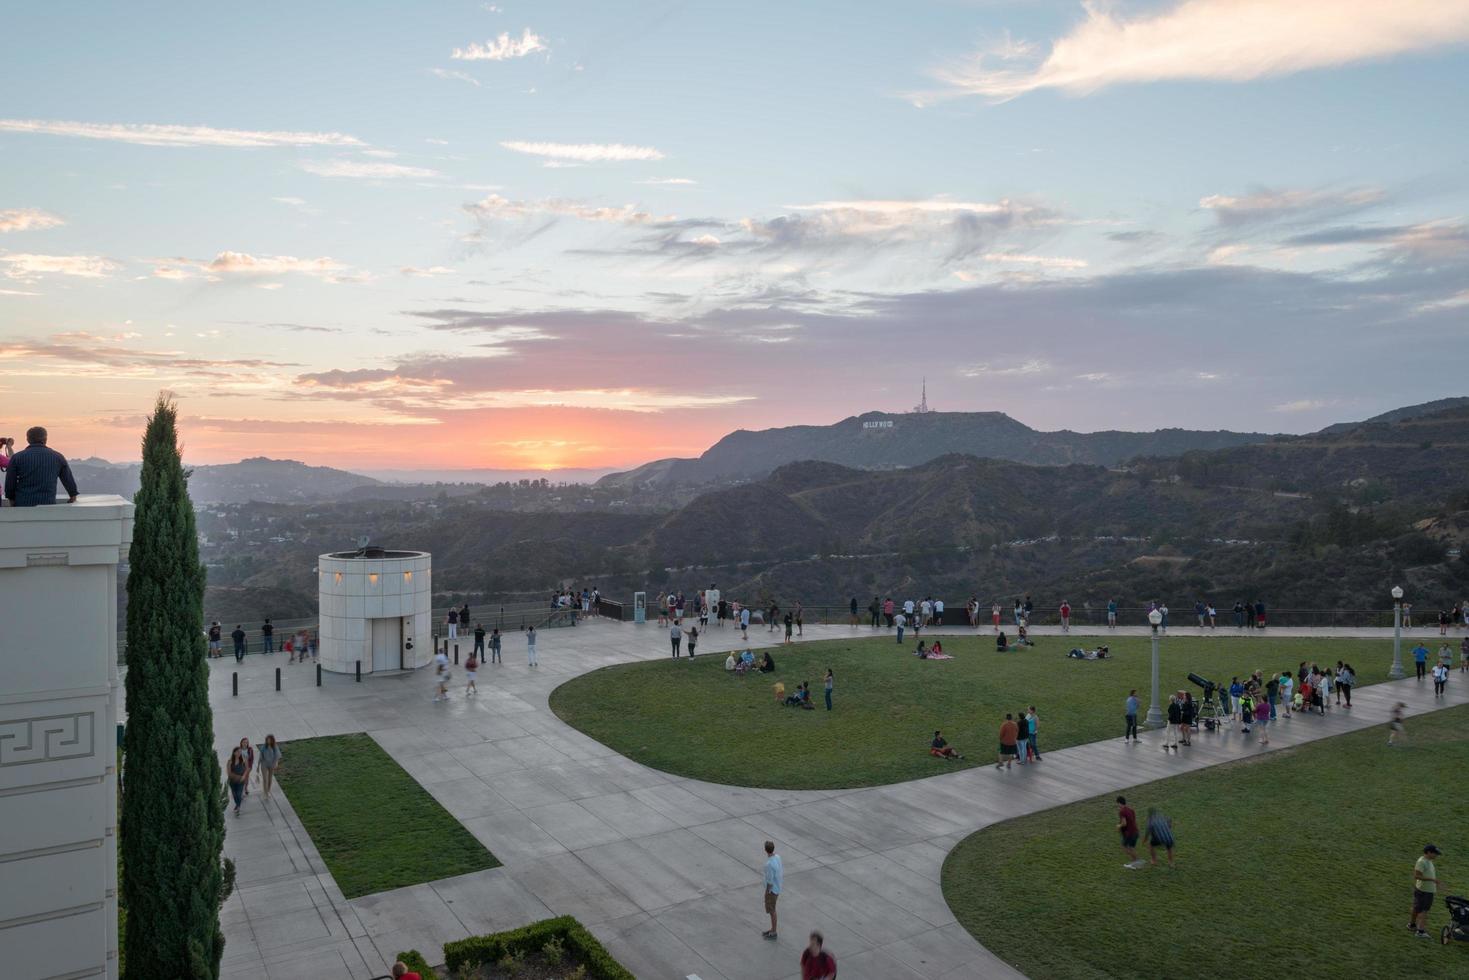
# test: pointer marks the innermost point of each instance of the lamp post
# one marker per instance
(1396, 672)
(1155, 711)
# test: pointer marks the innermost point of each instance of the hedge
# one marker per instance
(486, 950)
(414, 960)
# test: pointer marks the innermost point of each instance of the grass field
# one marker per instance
(1296, 863)
(693, 719)
(375, 827)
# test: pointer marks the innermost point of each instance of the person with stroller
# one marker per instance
(1425, 888)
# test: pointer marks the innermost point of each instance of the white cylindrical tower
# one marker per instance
(375, 609)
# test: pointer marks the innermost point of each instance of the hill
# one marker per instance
(258, 478)
(879, 440)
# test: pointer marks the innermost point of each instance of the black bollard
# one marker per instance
(318, 675)
(359, 672)
(277, 678)
(456, 655)
(234, 683)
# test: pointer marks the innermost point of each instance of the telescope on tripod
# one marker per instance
(1211, 712)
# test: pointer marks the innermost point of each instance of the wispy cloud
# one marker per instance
(673, 181)
(28, 219)
(1223, 40)
(1040, 261)
(455, 76)
(151, 134)
(1302, 405)
(1023, 369)
(496, 207)
(584, 152)
(1264, 204)
(427, 272)
(22, 265)
(363, 170)
(242, 264)
(502, 47)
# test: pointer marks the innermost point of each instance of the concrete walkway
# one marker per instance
(665, 871)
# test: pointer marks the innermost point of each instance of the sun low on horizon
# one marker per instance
(574, 236)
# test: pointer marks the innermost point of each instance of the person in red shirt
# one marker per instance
(1127, 827)
(1065, 616)
(817, 963)
(401, 972)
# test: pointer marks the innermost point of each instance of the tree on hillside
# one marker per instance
(172, 826)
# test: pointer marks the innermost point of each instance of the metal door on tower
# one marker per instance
(387, 643)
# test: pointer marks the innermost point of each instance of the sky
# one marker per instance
(575, 234)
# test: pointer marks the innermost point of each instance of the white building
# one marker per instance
(375, 608)
(58, 718)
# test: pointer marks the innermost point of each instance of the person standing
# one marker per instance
(1259, 614)
(1065, 616)
(1440, 678)
(1420, 660)
(453, 623)
(995, 616)
(267, 637)
(1129, 708)
(1032, 724)
(270, 761)
(495, 645)
(816, 962)
(1160, 834)
(829, 684)
(1022, 737)
(464, 616)
(530, 646)
(675, 637)
(888, 609)
(1262, 718)
(852, 611)
(479, 640)
(693, 640)
(1175, 723)
(31, 474)
(236, 771)
(774, 875)
(938, 612)
(215, 633)
(1127, 827)
(1111, 614)
(800, 620)
(744, 622)
(1345, 678)
(1425, 887)
(902, 621)
(1009, 731)
(239, 637)
(471, 673)
(874, 609)
(789, 624)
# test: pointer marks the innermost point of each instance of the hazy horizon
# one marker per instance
(562, 236)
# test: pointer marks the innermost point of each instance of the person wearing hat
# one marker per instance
(1425, 887)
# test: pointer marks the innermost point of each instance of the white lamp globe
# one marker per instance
(1155, 617)
(1397, 591)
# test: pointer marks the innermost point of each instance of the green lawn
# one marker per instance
(1295, 863)
(375, 827)
(693, 719)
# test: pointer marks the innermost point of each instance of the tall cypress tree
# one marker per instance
(172, 827)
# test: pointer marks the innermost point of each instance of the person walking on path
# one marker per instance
(1345, 678)
(1009, 731)
(1127, 827)
(1175, 722)
(237, 772)
(1396, 731)
(239, 637)
(693, 640)
(495, 646)
(1440, 679)
(675, 637)
(270, 761)
(816, 962)
(901, 621)
(829, 684)
(530, 646)
(1425, 887)
(1420, 660)
(248, 751)
(744, 622)
(1032, 721)
(1129, 708)
(441, 676)
(471, 672)
(774, 875)
(1160, 834)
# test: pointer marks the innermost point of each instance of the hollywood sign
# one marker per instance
(877, 425)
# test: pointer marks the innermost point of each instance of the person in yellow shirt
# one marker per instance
(1425, 887)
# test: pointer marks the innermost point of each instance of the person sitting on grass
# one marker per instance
(729, 663)
(780, 692)
(805, 693)
(1022, 635)
(767, 663)
(921, 652)
(941, 748)
(1002, 644)
(937, 650)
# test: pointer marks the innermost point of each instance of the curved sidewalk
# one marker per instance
(665, 870)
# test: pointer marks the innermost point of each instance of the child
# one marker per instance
(1396, 731)
(471, 666)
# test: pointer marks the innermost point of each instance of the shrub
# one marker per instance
(564, 930)
(414, 960)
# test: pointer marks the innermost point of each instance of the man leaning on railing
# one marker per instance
(30, 477)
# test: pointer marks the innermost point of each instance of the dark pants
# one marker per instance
(876, 620)
(1131, 727)
(828, 699)
(675, 643)
(495, 654)
(479, 646)
(889, 617)
(1346, 692)
(239, 651)
(1422, 669)
(691, 649)
(1438, 687)
(269, 643)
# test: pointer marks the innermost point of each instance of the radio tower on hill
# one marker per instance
(922, 407)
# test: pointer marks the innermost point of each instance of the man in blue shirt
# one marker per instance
(1420, 655)
(30, 480)
(774, 875)
(1130, 709)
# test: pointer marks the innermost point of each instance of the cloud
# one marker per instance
(425, 273)
(495, 207)
(1023, 369)
(584, 152)
(1220, 40)
(22, 265)
(502, 47)
(86, 355)
(672, 181)
(1302, 405)
(1271, 205)
(28, 219)
(227, 265)
(1041, 261)
(456, 76)
(363, 170)
(149, 134)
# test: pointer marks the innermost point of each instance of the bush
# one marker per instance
(415, 962)
(563, 930)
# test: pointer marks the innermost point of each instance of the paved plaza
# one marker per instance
(665, 871)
